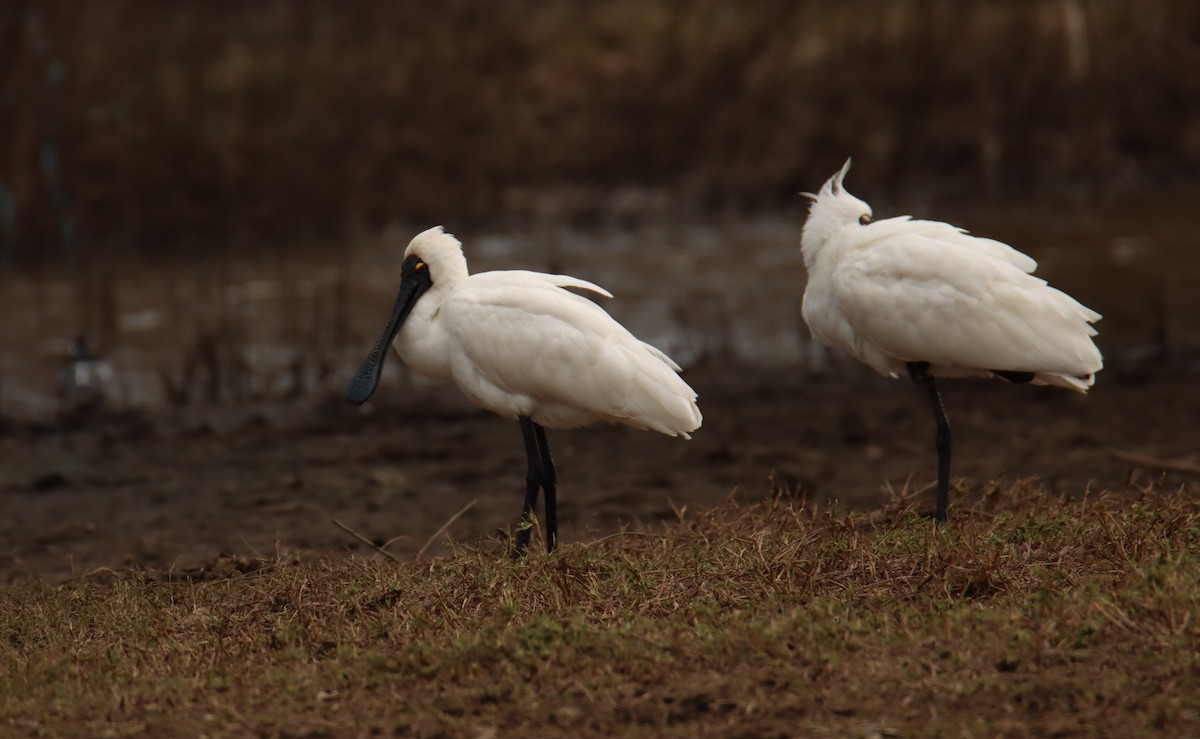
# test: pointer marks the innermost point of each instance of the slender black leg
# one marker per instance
(919, 372)
(549, 481)
(533, 482)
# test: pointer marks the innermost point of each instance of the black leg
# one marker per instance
(549, 481)
(919, 372)
(533, 481)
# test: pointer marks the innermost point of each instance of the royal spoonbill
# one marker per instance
(520, 345)
(927, 299)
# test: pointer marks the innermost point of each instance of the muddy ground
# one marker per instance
(173, 491)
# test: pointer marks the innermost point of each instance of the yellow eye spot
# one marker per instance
(419, 266)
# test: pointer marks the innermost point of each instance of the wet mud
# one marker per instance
(173, 492)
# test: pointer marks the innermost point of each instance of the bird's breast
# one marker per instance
(424, 346)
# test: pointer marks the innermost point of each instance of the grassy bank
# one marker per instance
(1025, 616)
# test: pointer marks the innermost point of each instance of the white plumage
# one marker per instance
(927, 298)
(521, 345)
(518, 344)
(901, 290)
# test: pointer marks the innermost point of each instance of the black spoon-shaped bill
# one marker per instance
(414, 281)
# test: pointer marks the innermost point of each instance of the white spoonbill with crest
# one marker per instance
(521, 345)
(927, 299)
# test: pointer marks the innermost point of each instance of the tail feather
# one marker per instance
(1079, 384)
(659, 399)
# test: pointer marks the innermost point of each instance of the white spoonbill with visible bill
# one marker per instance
(927, 299)
(520, 345)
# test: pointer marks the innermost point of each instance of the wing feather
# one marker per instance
(526, 346)
(921, 297)
(520, 279)
(905, 226)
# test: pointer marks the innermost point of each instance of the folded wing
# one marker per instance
(960, 303)
(523, 345)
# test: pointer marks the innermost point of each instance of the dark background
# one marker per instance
(153, 128)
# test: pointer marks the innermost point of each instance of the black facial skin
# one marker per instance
(414, 281)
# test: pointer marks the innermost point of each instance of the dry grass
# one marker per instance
(1027, 616)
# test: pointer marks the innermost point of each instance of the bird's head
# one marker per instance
(433, 263)
(440, 253)
(833, 210)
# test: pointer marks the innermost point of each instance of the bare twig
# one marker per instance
(1156, 463)
(387, 544)
(367, 541)
(618, 535)
(445, 526)
(257, 554)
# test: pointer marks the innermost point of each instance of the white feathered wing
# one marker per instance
(523, 345)
(927, 291)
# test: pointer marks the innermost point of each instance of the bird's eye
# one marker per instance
(419, 265)
(864, 219)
